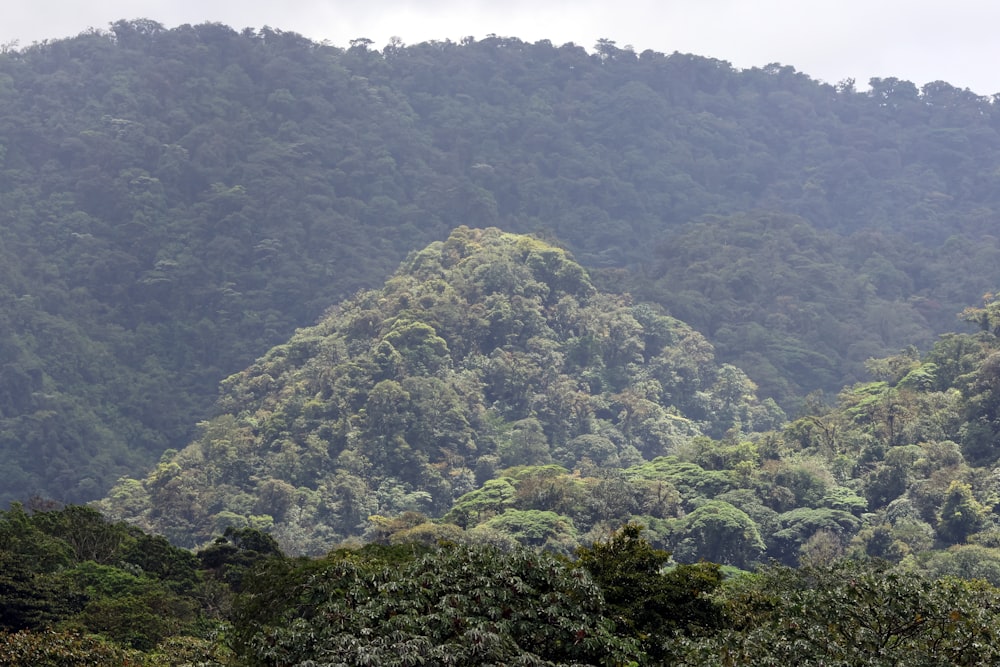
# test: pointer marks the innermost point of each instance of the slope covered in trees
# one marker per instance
(486, 351)
(903, 468)
(489, 394)
(175, 202)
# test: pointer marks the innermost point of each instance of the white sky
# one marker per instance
(918, 40)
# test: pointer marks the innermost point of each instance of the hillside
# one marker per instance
(903, 468)
(486, 351)
(173, 203)
(488, 393)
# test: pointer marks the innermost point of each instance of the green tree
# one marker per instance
(236, 552)
(718, 532)
(851, 613)
(492, 498)
(796, 527)
(646, 600)
(535, 528)
(456, 604)
(961, 514)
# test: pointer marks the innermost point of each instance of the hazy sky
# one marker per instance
(918, 40)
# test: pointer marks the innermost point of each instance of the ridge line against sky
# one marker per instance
(920, 40)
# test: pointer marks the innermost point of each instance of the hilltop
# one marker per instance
(483, 352)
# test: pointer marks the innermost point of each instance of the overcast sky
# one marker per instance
(831, 40)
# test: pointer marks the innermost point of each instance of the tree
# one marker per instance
(535, 528)
(961, 514)
(718, 532)
(401, 605)
(646, 600)
(987, 317)
(31, 600)
(490, 499)
(236, 552)
(850, 613)
(796, 527)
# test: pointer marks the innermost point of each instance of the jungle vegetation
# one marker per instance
(80, 590)
(485, 353)
(175, 202)
(491, 352)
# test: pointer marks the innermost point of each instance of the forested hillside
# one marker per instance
(175, 202)
(489, 393)
(483, 352)
(902, 468)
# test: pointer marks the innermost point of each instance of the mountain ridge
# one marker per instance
(176, 202)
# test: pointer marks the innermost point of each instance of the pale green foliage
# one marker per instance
(537, 528)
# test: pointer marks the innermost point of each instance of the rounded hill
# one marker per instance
(485, 351)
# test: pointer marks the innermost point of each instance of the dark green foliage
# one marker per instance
(231, 555)
(851, 614)
(71, 568)
(645, 600)
(85, 531)
(30, 599)
(156, 557)
(454, 605)
(139, 621)
(619, 603)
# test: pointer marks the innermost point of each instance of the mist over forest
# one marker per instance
(298, 319)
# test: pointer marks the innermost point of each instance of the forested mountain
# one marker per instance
(175, 202)
(183, 207)
(488, 393)
(483, 352)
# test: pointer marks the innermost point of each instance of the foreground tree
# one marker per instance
(851, 613)
(68, 571)
(454, 605)
(645, 600)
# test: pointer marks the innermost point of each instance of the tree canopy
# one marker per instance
(484, 352)
(175, 202)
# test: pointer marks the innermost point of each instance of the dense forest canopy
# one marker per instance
(79, 590)
(554, 434)
(175, 202)
(484, 352)
(488, 393)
